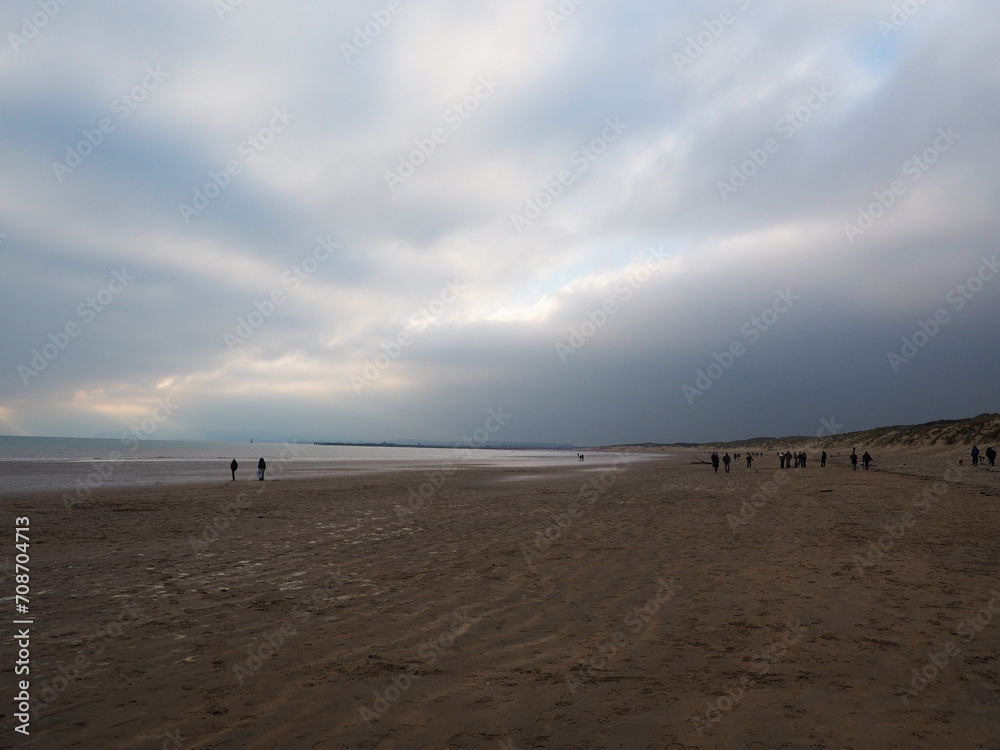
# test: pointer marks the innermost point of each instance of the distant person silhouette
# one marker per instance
(991, 455)
(715, 462)
(726, 459)
(260, 469)
(866, 460)
(781, 457)
(802, 459)
(788, 459)
(854, 461)
(822, 459)
(975, 455)
(749, 460)
(233, 467)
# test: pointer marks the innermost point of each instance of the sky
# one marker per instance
(574, 222)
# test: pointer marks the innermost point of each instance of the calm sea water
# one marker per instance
(63, 464)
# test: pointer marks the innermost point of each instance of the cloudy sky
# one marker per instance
(611, 221)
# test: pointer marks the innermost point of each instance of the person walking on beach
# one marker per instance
(802, 459)
(822, 459)
(991, 455)
(260, 469)
(726, 459)
(854, 460)
(788, 459)
(866, 460)
(715, 462)
(233, 467)
(975, 455)
(781, 457)
(749, 460)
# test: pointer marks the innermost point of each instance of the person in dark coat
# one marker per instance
(749, 460)
(822, 459)
(260, 469)
(854, 461)
(866, 460)
(975, 455)
(726, 459)
(233, 467)
(715, 462)
(991, 454)
(781, 457)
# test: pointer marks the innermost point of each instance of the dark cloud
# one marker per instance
(561, 316)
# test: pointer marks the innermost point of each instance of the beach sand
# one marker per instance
(650, 620)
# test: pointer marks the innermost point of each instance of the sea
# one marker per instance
(30, 464)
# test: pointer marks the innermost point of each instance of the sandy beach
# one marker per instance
(648, 604)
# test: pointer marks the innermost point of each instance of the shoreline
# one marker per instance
(76, 476)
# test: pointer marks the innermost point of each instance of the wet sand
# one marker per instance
(341, 612)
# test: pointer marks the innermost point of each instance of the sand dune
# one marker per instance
(945, 438)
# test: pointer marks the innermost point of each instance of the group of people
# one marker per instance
(990, 453)
(726, 460)
(789, 460)
(261, 466)
(866, 460)
(799, 458)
